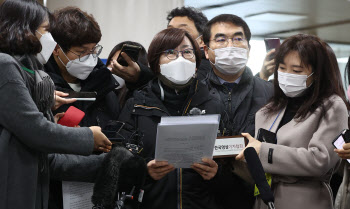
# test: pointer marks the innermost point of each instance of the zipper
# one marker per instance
(229, 101)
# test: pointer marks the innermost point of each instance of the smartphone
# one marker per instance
(82, 96)
(267, 136)
(272, 43)
(132, 51)
(341, 139)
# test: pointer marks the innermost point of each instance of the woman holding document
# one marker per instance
(174, 57)
(307, 112)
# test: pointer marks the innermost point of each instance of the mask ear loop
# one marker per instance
(64, 55)
(161, 90)
(308, 77)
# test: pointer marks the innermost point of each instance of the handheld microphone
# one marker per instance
(258, 174)
(121, 171)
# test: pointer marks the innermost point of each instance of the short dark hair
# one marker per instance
(327, 79)
(73, 27)
(193, 14)
(226, 18)
(169, 39)
(142, 55)
(18, 22)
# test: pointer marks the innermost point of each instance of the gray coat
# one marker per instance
(303, 159)
(342, 200)
(26, 137)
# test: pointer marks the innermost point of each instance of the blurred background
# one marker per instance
(140, 20)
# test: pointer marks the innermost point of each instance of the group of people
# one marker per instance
(193, 63)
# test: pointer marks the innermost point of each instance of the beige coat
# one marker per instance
(303, 159)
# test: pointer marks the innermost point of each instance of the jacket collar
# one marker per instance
(147, 99)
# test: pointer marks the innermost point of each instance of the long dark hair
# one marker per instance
(18, 22)
(327, 79)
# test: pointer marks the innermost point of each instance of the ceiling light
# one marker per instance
(275, 17)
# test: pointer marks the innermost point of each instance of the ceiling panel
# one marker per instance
(329, 19)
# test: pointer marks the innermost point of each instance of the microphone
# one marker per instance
(121, 172)
(258, 174)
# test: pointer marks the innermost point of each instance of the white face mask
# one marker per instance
(79, 69)
(118, 79)
(291, 84)
(230, 60)
(179, 71)
(48, 44)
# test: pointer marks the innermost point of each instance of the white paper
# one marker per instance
(77, 195)
(228, 146)
(184, 140)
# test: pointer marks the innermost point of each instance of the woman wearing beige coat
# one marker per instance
(306, 112)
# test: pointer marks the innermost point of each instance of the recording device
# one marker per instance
(272, 43)
(258, 174)
(341, 139)
(72, 117)
(82, 96)
(267, 136)
(111, 130)
(119, 182)
(132, 51)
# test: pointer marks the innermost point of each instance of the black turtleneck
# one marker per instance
(291, 110)
(174, 101)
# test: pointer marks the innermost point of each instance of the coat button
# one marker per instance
(133, 110)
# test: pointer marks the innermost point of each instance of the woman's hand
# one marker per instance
(207, 170)
(158, 169)
(252, 143)
(101, 142)
(130, 73)
(268, 66)
(59, 100)
(58, 116)
(345, 152)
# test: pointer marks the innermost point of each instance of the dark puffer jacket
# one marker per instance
(101, 81)
(181, 188)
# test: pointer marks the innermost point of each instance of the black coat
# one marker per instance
(181, 188)
(97, 113)
(241, 103)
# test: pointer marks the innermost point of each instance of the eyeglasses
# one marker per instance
(95, 52)
(222, 41)
(173, 54)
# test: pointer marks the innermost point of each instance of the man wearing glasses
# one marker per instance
(227, 47)
(74, 67)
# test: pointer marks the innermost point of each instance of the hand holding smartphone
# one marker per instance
(267, 136)
(272, 43)
(132, 51)
(341, 139)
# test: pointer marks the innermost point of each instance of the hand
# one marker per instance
(208, 170)
(158, 169)
(130, 73)
(252, 143)
(101, 142)
(59, 101)
(268, 66)
(58, 116)
(345, 152)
